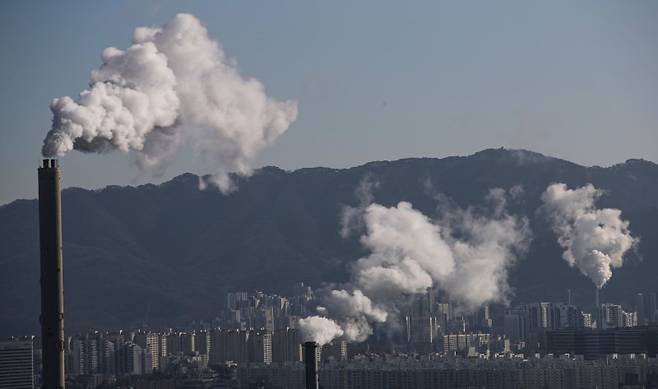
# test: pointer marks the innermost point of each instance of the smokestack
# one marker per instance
(52, 275)
(311, 363)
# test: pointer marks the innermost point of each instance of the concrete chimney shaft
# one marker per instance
(52, 275)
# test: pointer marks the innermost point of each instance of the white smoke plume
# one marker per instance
(466, 254)
(351, 312)
(351, 217)
(355, 311)
(319, 329)
(173, 86)
(594, 240)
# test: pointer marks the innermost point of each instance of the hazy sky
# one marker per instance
(374, 79)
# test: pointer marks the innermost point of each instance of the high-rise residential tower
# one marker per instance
(16, 364)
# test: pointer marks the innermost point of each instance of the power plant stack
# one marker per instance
(52, 275)
(311, 364)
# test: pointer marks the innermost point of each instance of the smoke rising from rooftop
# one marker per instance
(174, 85)
(466, 254)
(594, 240)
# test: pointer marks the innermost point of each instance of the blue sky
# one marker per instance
(374, 79)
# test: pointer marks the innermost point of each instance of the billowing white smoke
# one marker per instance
(319, 329)
(594, 240)
(356, 311)
(174, 85)
(407, 252)
(467, 254)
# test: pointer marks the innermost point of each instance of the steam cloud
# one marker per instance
(594, 240)
(174, 85)
(320, 329)
(466, 254)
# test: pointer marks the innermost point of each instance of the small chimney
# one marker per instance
(311, 363)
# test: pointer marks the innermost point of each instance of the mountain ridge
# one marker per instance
(186, 175)
(172, 250)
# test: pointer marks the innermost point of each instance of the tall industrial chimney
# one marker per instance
(311, 363)
(52, 275)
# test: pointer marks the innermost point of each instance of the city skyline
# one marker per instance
(253, 336)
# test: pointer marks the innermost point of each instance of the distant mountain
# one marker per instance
(166, 254)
